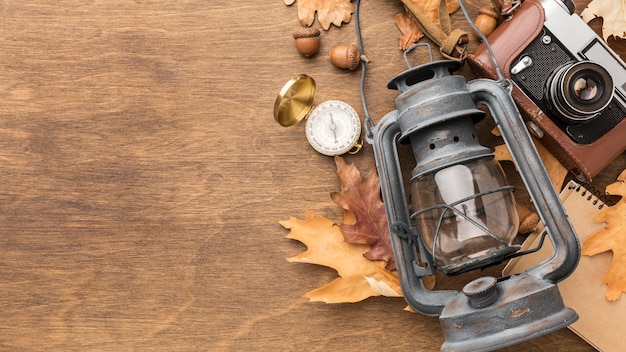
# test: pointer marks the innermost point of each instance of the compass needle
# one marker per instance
(333, 127)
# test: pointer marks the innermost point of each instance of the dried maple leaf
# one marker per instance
(612, 13)
(359, 278)
(612, 238)
(328, 11)
(361, 196)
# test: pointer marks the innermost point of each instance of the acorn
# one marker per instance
(307, 40)
(346, 56)
(527, 218)
(487, 20)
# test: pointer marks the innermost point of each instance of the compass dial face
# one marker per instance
(333, 128)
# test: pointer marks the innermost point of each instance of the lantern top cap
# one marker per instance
(425, 72)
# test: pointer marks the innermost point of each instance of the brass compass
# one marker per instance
(333, 127)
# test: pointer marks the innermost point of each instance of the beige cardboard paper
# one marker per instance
(601, 322)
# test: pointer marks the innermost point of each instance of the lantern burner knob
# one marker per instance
(481, 292)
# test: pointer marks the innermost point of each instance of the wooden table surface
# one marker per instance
(142, 178)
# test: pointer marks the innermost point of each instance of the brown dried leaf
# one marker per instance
(359, 278)
(612, 238)
(408, 25)
(411, 33)
(430, 8)
(361, 197)
(328, 12)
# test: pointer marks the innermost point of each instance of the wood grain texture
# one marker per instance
(142, 178)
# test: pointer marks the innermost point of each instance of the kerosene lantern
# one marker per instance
(463, 215)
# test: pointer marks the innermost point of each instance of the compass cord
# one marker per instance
(369, 122)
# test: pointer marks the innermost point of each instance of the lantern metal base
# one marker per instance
(526, 308)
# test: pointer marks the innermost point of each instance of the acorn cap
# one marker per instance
(489, 11)
(528, 224)
(346, 56)
(353, 57)
(306, 32)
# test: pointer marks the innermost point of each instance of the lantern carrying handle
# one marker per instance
(413, 47)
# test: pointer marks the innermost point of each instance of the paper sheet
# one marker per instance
(602, 322)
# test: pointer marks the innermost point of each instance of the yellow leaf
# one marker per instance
(555, 169)
(359, 277)
(381, 287)
(612, 13)
(612, 238)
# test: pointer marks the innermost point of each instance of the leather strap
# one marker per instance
(451, 43)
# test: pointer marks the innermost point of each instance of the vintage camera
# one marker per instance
(568, 84)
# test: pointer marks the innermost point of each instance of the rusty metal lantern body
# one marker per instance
(435, 114)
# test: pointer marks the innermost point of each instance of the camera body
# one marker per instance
(568, 84)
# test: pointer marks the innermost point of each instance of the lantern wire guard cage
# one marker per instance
(435, 115)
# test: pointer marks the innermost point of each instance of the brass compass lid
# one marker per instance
(295, 100)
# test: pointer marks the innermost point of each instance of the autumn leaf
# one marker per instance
(359, 278)
(612, 238)
(408, 25)
(430, 8)
(361, 196)
(328, 11)
(556, 171)
(612, 13)
(411, 33)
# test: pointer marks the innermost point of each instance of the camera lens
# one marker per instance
(578, 91)
(585, 89)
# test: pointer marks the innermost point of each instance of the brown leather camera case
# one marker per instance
(508, 40)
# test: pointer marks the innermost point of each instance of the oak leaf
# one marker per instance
(360, 198)
(359, 278)
(612, 13)
(411, 33)
(328, 12)
(612, 238)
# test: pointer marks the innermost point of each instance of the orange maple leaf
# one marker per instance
(359, 277)
(612, 238)
(360, 196)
